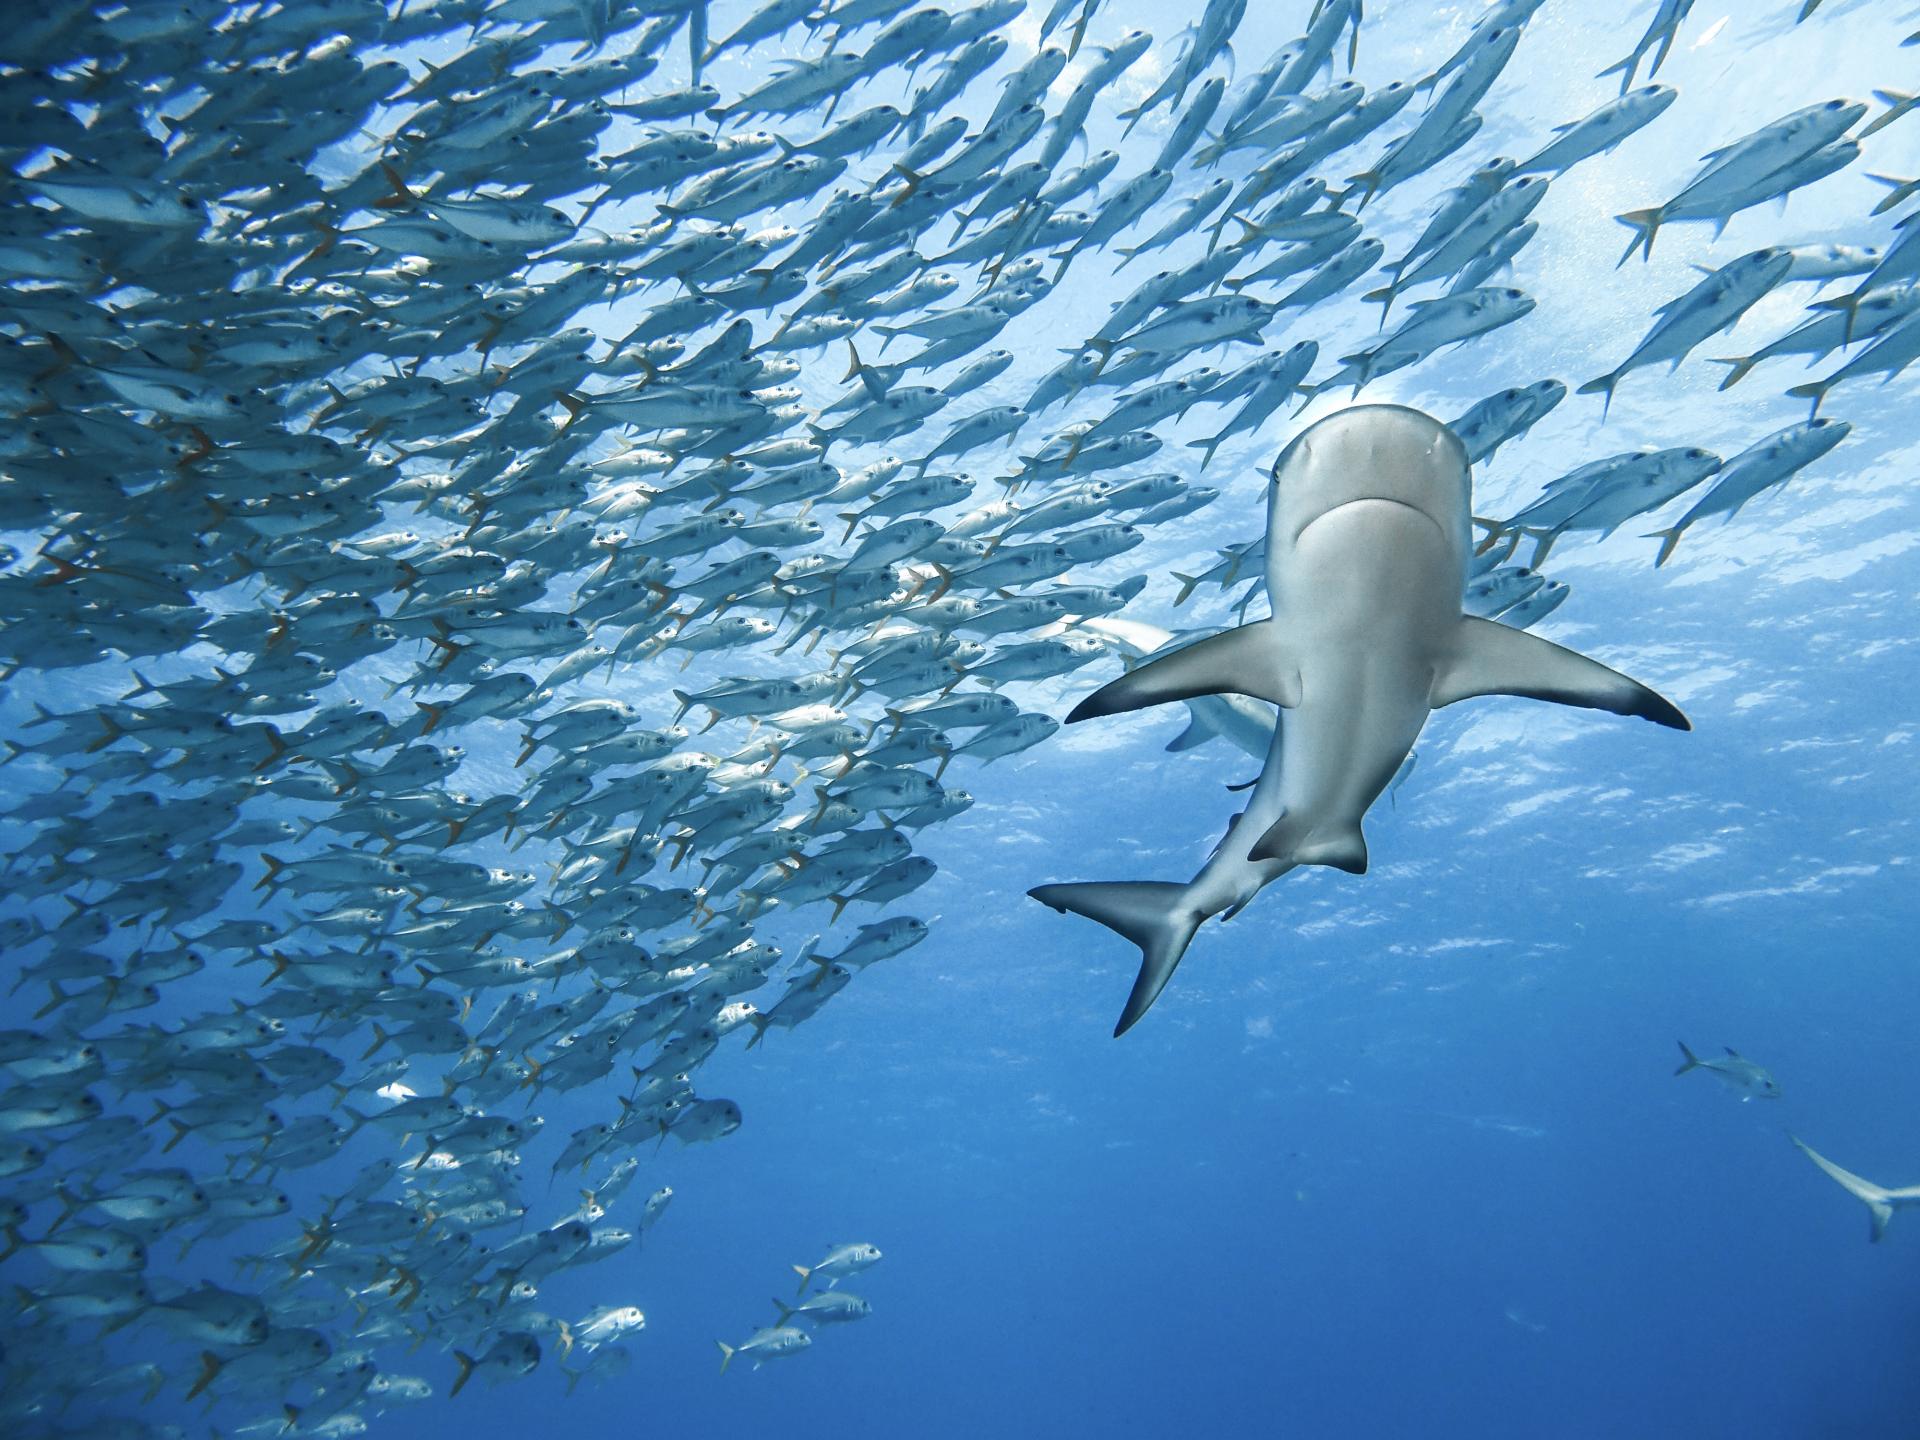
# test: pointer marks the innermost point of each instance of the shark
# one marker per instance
(1880, 1201)
(1368, 544)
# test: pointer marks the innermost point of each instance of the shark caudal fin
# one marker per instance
(1147, 912)
(1874, 1197)
(1493, 659)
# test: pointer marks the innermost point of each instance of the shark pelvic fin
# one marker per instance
(1197, 733)
(1298, 842)
(1250, 660)
(1148, 913)
(1493, 659)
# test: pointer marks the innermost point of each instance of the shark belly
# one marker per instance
(1365, 592)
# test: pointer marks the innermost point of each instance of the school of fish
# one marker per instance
(403, 392)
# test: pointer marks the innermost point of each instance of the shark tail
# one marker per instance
(1691, 1062)
(1879, 1206)
(1147, 912)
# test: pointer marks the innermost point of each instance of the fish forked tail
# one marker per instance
(1899, 191)
(1604, 386)
(726, 1355)
(1898, 103)
(1851, 304)
(1147, 912)
(1645, 224)
(1624, 70)
(1814, 390)
(1668, 539)
(1692, 1061)
(1738, 368)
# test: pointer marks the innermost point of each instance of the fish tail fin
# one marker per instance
(1814, 390)
(1206, 449)
(1645, 224)
(1690, 1062)
(1147, 912)
(1668, 539)
(1188, 584)
(1738, 367)
(726, 1355)
(1624, 70)
(1602, 385)
(1899, 192)
(805, 1272)
(210, 1364)
(786, 1310)
(465, 1362)
(401, 194)
(112, 728)
(1898, 103)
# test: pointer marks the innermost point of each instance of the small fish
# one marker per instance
(1735, 1070)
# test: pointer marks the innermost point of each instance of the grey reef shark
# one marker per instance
(1368, 542)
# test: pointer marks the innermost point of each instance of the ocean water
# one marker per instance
(1400, 1154)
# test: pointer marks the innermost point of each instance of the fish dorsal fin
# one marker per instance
(1250, 660)
(1488, 658)
(1731, 1051)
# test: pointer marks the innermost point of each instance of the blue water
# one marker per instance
(1397, 1155)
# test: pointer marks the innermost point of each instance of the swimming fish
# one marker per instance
(1371, 504)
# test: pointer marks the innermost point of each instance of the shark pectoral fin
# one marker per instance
(1249, 660)
(1489, 658)
(1147, 912)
